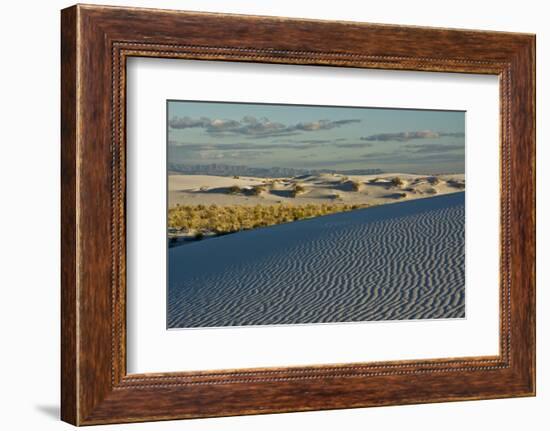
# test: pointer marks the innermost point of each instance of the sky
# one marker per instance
(316, 137)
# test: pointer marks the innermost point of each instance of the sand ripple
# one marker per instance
(393, 262)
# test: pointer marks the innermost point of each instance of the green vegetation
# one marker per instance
(202, 219)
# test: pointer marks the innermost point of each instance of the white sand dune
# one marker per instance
(391, 262)
(323, 188)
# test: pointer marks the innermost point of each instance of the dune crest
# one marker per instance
(351, 189)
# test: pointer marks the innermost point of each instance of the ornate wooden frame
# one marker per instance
(96, 41)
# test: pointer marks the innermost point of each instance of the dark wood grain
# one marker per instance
(69, 397)
(96, 41)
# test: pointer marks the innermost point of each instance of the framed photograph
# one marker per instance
(263, 214)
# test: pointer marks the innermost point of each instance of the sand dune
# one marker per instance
(323, 188)
(390, 262)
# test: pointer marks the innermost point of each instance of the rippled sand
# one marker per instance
(392, 262)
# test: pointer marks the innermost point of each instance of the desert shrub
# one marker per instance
(201, 219)
(401, 195)
(257, 190)
(297, 190)
(356, 186)
(456, 184)
(234, 190)
(431, 191)
(396, 182)
(433, 181)
(236, 177)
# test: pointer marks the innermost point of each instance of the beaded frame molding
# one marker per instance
(95, 43)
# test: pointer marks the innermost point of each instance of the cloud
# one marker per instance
(249, 154)
(280, 145)
(354, 145)
(441, 158)
(313, 141)
(409, 136)
(322, 125)
(402, 157)
(311, 162)
(392, 160)
(452, 134)
(251, 126)
(434, 148)
(245, 146)
(203, 122)
(381, 155)
(208, 155)
(215, 154)
(187, 122)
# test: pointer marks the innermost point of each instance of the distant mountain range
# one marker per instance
(248, 171)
